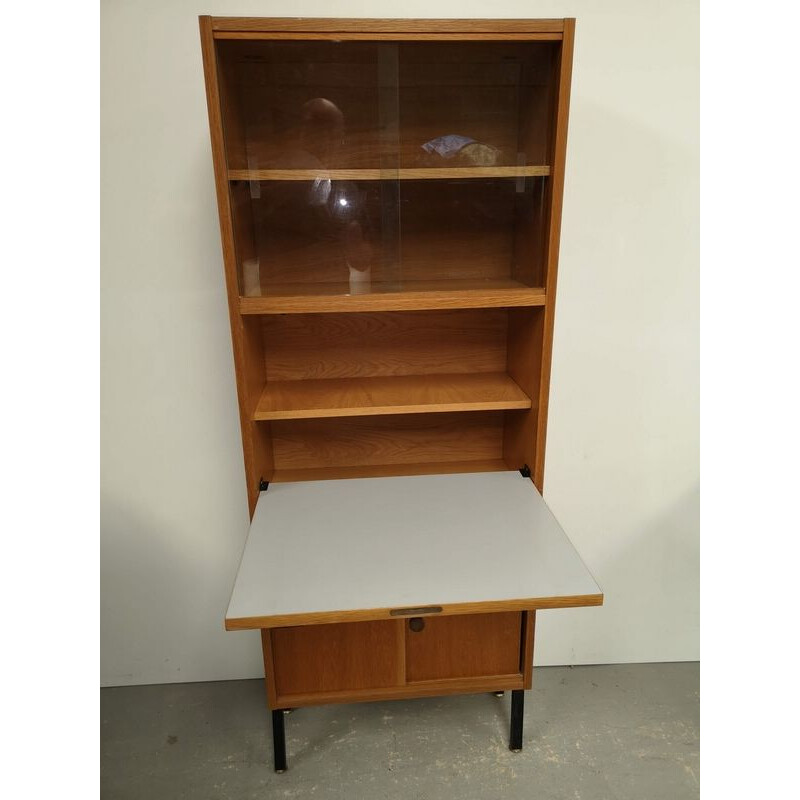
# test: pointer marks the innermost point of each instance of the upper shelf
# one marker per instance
(395, 296)
(407, 174)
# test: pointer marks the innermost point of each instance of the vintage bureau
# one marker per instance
(389, 198)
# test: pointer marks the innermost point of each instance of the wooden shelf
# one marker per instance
(404, 174)
(388, 470)
(397, 296)
(404, 394)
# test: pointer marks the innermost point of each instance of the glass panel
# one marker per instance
(316, 232)
(481, 104)
(301, 105)
(364, 167)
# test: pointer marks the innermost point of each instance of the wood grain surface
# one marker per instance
(380, 441)
(313, 346)
(468, 646)
(404, 394)
(401, 296)
(369, 26)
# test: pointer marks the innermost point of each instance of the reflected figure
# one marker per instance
(324, 223)
(321, 130)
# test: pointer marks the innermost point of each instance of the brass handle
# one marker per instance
(416, 624)
(415, 610)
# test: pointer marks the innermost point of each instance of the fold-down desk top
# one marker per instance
(347, 550)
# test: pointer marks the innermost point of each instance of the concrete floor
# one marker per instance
(591, 733)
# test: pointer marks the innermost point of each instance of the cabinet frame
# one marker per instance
(518, 398)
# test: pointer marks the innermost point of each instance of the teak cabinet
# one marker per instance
(389, 198)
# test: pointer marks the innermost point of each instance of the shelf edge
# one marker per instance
(377, 174)
(399, 301)
(452, 609)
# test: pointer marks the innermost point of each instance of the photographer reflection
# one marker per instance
(319, 228)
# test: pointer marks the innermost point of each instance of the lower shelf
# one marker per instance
(402, 394)
(388, 470)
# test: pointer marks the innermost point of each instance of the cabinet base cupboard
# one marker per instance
(389, 197)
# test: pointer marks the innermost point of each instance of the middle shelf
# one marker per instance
(389, 173)
(403, 394)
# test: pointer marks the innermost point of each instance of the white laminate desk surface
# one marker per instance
(353, 549)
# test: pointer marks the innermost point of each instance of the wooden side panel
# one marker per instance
(464, 646)
(401, 439)
(312, 346)
(562, 78)
(246, 337)
(269, 671)
(332, 658)
(526, 650)
(525, 337)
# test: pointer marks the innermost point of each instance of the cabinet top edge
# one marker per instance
(328, 24)
(379, 614)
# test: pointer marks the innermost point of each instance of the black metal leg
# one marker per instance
(517, 708)
(279, 741)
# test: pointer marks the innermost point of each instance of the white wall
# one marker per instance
(622, 465)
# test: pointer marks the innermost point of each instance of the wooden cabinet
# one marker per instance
(340, 662)
(389, 197)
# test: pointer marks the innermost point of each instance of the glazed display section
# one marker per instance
(385, 166)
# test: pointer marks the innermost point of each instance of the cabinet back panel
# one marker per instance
(310, 346)
(400, 439)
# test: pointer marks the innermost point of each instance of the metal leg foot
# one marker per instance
(279, 741)
(517, 709)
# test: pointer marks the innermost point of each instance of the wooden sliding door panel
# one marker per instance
(467, 646)
(337, 657)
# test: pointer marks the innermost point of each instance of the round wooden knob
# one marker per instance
(416, 624)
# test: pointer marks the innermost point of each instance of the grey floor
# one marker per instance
(610, 732)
